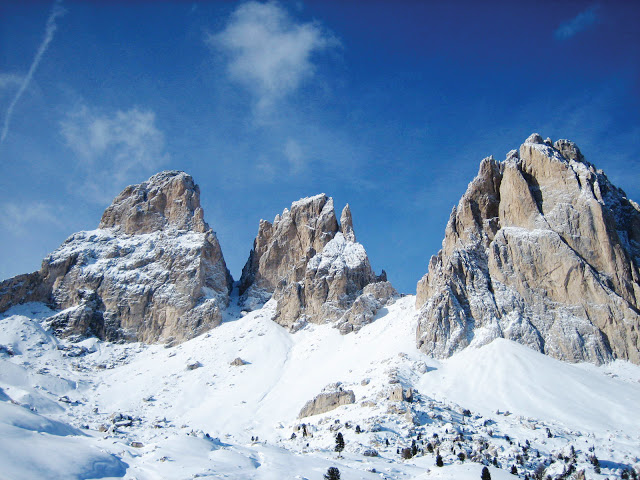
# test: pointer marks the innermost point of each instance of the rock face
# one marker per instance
(313, 267)
(168, 199)
(542, 249)
(363, 310)
(327, 401)
(282, 248)
(153, 271)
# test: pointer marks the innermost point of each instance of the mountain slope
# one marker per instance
(194, 410)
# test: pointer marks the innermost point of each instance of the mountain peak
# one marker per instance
(541, 249)
(168, 199)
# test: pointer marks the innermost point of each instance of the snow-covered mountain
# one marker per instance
(152, 271)
(129, 355)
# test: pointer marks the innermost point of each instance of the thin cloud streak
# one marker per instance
(580, 22)
(56, 11)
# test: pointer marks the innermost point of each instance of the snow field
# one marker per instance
(193, 413)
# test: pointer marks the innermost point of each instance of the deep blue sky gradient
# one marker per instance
(403, 102)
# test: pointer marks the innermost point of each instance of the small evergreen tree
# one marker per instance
(386, 442)
(358, 430)
(461, 456)
(406, 453)
(439, 462)
(332, 474)
(514, 470)
(485, 475)
(339, 443)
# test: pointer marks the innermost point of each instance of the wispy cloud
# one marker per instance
(268, 52)
(15, 217)
(9, 80)
(295, 156)
(114, 148)
(580, 22)
(56, 11)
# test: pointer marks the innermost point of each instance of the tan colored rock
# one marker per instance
(282, 248)
(166, 282)
(542, 249)
(169, 198)
(399, 394)
(346, 224)
(24, 288)
(327, 401)
(314, 268)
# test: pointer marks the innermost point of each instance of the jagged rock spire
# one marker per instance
(541, 249)
(346, 224)
(313, 268)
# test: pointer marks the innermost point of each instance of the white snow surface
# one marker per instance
(337, 255)
(194, 415)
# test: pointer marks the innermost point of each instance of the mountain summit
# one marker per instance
(152, 271)
(313, 267)
(541, 249)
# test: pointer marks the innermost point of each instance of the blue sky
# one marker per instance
(389, 106)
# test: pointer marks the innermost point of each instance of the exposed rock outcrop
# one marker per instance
(282, 249)
(542, 249)
(327, 401)
(363, 310)
(399, 394)
(313, 267)
(152, 272)
(168, 199)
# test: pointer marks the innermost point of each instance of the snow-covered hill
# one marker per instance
(101, 410)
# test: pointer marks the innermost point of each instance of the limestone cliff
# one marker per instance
(541, 249)
(152, 271)
(312, 266)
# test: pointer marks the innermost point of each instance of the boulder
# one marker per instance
(327, 401)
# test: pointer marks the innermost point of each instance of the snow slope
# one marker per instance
(187, 411)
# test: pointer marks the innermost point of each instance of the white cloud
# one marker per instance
(50, 28)
(268, 52)
(15, 217)
(114, 149)
(295, 156)
(580, 22)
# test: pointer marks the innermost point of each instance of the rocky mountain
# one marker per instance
(313, 267)
(542, 249)
(152, 271)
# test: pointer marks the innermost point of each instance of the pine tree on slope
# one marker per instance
(332, 474)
